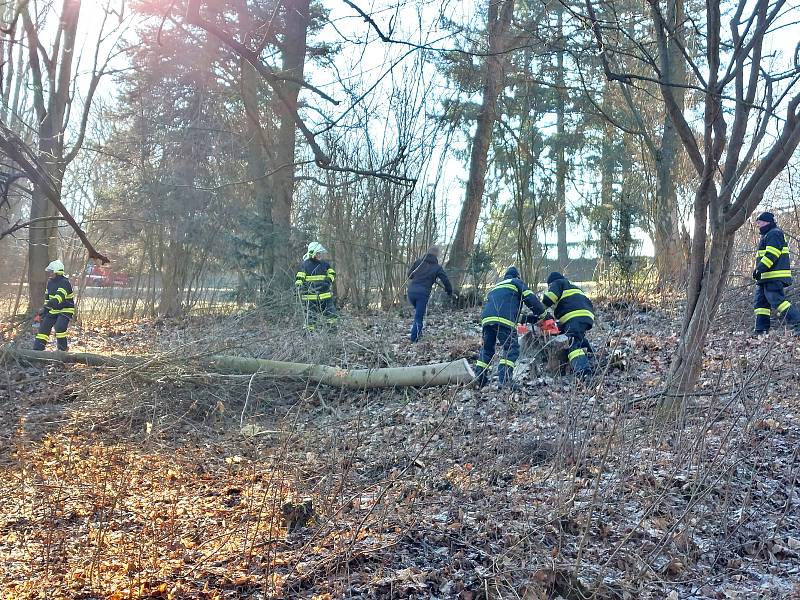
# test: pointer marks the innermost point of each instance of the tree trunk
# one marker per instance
(257, 152)
(669, 252)
(670, 256)
(626, 210)
(561, 161)
(38, 251)
(688, 360)
(457, 372)
(607, 174)
(499, 21)
(173, 277)
(52, 113)
(7, 42)
(293, 52)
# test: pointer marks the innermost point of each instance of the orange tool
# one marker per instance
(548, 327)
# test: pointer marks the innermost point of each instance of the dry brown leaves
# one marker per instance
(559, 490)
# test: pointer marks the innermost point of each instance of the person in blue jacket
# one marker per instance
(422, 274)
(501, 313)
(575, 314)
(772, 274)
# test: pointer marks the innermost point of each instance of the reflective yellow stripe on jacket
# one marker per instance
(576, 313)
(499, 320)
(775, 274)
(504, 286)
(572, 292)
(785, 250)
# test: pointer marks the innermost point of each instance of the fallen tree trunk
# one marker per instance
(455, 372)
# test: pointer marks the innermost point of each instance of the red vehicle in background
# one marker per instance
(105, 277)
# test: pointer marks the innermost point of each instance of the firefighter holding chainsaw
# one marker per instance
(501, 313)
(575, 314)
(58, 309)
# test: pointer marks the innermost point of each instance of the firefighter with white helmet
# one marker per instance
(314, 282)
(58, 309)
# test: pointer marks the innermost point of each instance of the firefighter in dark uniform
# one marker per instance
(314, 283)
(501, 313)
(58, 310)
(575, 314)
(772, 275)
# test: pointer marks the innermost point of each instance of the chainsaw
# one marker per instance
(542, 345)
(543, 328)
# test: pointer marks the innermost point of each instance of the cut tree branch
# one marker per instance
(17, 150)
(22, 225)
(457, 372)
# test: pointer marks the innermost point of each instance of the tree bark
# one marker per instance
(257, 152)
(293, 52)
(561, 161)
(173, 278)
(457, 372)
(688, 359)
(669, 252)
(39, 251)
(53, 116)
(607, 176)
(499, 22)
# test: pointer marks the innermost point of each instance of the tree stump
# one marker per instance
(297, 515)
(545, 353)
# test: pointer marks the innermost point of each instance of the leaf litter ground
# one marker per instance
(171, 483)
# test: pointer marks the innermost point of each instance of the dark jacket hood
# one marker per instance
(511, 273)
(767, 228)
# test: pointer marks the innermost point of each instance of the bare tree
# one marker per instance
(498, 23)
(560, 146)
(286, 84)
(670, 259)
(257, 144)
(54, 75)
(293, 58)
(735, 160)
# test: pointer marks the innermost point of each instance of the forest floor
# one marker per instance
(170, 483)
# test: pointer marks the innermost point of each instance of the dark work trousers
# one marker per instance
(493, 334)
(419, 300)
(48, 322)
(580, 350)
(771, 295)
(320, 311)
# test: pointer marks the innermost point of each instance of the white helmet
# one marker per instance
(56, 267)
(315, 248)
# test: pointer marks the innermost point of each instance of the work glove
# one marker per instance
(757, 275)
